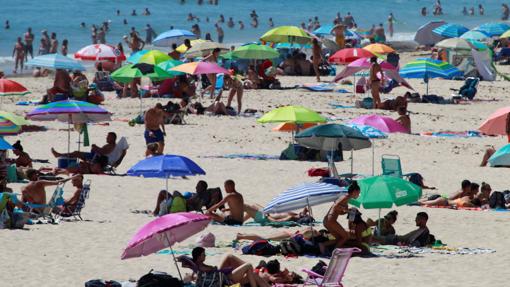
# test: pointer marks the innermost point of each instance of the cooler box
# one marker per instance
(64, 162)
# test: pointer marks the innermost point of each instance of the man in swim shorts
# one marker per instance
(234, 212)
(155, 127)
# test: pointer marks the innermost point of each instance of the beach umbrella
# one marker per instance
(304, 195)
(154, 57)
(200, 68)
(71, 112)
(174, 36)
(292, 114)
(128, 73)
(496, 123)
(202, 49)
(475, 35)
(348, 55)
(163, 232)
(12, 88)
(425, 36)
(292, 46)
(255, 52)
(292, 127)
(501, 157)
(4, 145)
(505, 35)
(455, 44)
(55, 61)
(11, 124)
(134, 58)
(382, 123)
(100, 52)
(426, 68)
(450, 30)
(379, 49)
(182, 48)
(287, 34)
(493, 29)
(323, 30)
(168, 65)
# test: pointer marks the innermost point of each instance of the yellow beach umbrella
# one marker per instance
(154, 57)
(379, 49)
(287, 34)
(505, 35)
(182, 48)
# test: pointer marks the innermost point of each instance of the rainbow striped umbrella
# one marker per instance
(426, 68)
(10, 124)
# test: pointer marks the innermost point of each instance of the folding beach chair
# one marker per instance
(335, 271)
(218, 278)
(76, 212)
(50, 210)
(392, 166)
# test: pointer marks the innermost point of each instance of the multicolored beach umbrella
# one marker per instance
(135, 57)
(475, 35)
(154, 57)
(11, 124)
(56, 61)
(287, 34)
(200, 68)
(12, 88)
(493, 29)
(426, 68)
(450, 30)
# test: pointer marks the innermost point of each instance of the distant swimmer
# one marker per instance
(125, 21)
(221, 33)
(270, 22)
(146, 12)
(195, 29)
(133, 13)
(221, 19)
(230, 22)
(200, 2)
(464, 11)
(118, 12)
(303, 25)
(207, 19)
(93, 34)
(241, 25)
(506, 12)
(424, 11)
(254, 22)
(349, 20)
(438, 9)
(82, 25)
(208, 36)
(7, 25)
(472, 11)
(149, 34)
(481, 10)
(253, 14)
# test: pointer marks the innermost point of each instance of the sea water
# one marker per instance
(64, 17)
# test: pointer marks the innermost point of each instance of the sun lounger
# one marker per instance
(335, 271)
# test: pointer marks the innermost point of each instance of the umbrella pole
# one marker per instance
(379, 224)
(373, 156)
(354, 85)
(173, 255)
(311, 215)
(427, 88)
(352, 161)
(68, 137)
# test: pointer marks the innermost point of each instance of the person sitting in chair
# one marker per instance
(35, 191)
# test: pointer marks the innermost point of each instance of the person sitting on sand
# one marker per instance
(256, 212)
(154, 120)
(416, 238)
(35, 191)
(404, 119)
(94, 161)
(272, 274)
(242, 272)
(252, 81)
(384, 226)
(23, 159)
(234, 200)
(61, 85)
(360, 234)
(340, 207)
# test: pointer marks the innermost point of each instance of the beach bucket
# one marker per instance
(65, 162)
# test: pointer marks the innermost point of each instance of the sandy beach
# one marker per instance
(71, 253)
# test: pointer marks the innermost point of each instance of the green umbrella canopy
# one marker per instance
(255, 51)
(287, 34)
(385, 191)
(328, 137)
(292, 114)
(128, 73)
(168, 65)
(154, 57)
(228, 56)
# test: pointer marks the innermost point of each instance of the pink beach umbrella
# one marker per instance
(100, 52)
(200, 68)
(163, 232)
(360, 65)
(384, 124)
(496, 123)
(348, 55)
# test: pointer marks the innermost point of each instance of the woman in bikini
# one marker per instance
(375, 82)
(340, 207)
(19, 55)
(465, 200)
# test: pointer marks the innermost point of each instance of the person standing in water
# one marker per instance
(481, 10)
(65, 47)
(149, 34)
(391, 20)
(270, 23)
(506, 12)
(221, 33)
(29, 43)
(18, 53)
(375, 82)
(53, 43)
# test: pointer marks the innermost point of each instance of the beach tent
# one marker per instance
(501, 157)
(425, 36)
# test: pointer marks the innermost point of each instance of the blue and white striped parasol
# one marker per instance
(450, 30)
(493, 29)
(56, 61)
(301, 196)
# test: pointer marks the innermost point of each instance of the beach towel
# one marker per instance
(393, 251)
(29, 103)
(341, 106)
(245, 156)
(451, 134)
(318, 87)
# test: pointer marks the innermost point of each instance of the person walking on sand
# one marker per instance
(376, 82)
(29, 43)
(317, 58)
(154, 120)
(18, 53)
(235, 203)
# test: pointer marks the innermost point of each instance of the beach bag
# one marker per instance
(290, 247)
(260, 248)
(102, 283)
(497, 200)
(4, 219)
(178, 203)
(321, 171)
(158, 279)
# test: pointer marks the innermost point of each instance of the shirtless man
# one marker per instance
(235, 212)
(317, 58)
(70, 203)
(463, 198)
(416, 238)
(340, 207)
(53, 43)
(155, 127)
(35, 191)
(29, 46)
(18, 53)
(375, 82)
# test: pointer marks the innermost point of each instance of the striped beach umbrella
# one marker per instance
(426, 68)
(56, 61)
(304, 195)
(100, 52)
(11, 124)
(493, 29)
(12, 88)
(450, 30)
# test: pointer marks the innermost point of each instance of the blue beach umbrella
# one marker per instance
(323, 30)
(368, 131)
(493, 29)
(4, 145)
(301, 196)
(135, 58)
(450, 30)
(426, 68)
(501, 157)
(475, 35)
(55, 61)
(175, 36)
(292, 46)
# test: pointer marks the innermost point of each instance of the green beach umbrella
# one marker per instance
(128, 73)
(228, 56)
(287, 34)
(154, 57)
(292, 114)
(385, 191)
(168, 65)
(255, 52)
